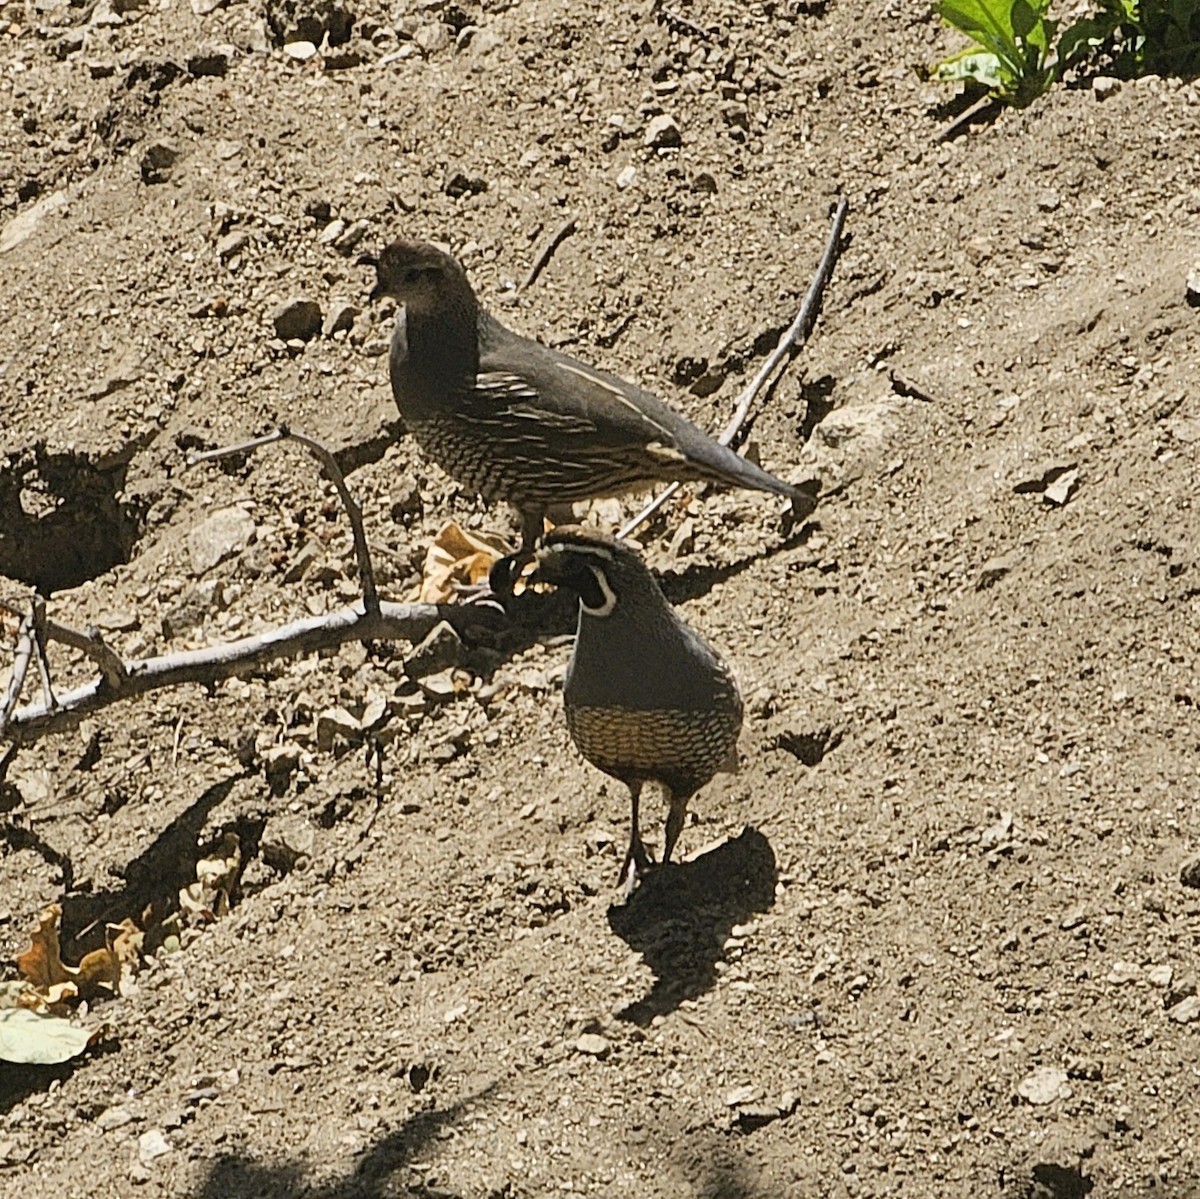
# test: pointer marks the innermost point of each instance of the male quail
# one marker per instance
(519, 422)
(646, 698)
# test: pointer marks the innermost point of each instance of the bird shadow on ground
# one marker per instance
(237, 1174)
(680, 916)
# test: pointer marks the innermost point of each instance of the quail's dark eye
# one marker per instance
(411, 275)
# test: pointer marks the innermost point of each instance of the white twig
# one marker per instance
(366, 573)
(16, 680)
(392, 622)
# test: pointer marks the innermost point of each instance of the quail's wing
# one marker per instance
(523, 380)
(522, 384)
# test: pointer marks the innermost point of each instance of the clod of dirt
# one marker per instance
(158, 160)
(298, 318)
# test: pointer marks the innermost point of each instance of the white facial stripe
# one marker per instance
(610, 597)
(569, 547)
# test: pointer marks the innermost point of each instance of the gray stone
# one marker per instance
(662, 132)
(441, 649)
(287, 843)
(25, 224)
(152, 1144)
(232, 243)
(335, 723)
(593, 1044)
(342, 315)
(1044, 1085)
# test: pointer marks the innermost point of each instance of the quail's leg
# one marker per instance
(637, 860)
(675, 819)
(532, 522)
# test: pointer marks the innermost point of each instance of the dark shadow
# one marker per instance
(19, 1080)
(818, 404)
(64, 519)
(19, 836)
(154, 876)
(1045, 1180)
(236, 1176)
(670, 918)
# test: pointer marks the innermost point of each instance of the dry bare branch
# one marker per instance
(392, 622)
(794, 337)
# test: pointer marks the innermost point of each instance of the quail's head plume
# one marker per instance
(646, 698)
(519, 422)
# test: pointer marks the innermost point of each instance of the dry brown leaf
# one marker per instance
(125, 940)
(457, 558)
(56, 982)
(41, 964)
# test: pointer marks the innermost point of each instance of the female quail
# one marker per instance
(646, 698)
(519, 422)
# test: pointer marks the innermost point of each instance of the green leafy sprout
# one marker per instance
(1014, 55)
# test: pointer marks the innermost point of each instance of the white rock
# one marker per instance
(227, 532)
(25, 223)
(1044, 1085)
(152, 1144)
(300, 51)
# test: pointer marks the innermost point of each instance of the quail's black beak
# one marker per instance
(377, 292)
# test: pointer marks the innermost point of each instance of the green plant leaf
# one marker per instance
(1017, 36)
(1084, 38)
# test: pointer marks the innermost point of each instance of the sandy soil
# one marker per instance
(936, 937)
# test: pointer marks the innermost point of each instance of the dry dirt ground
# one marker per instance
(937, 937)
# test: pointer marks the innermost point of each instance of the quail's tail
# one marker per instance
(719, 464)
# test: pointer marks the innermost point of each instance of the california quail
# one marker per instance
(516, 421)
(646, 698)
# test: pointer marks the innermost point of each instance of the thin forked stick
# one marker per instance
(87, 641)
(366, 573)
(16, 680)
(795, 336)
(544, 254)
(39, 643)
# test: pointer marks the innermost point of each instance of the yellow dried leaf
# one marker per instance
(126, 941)
(456, 558)
(97, 970)
(58, 997)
